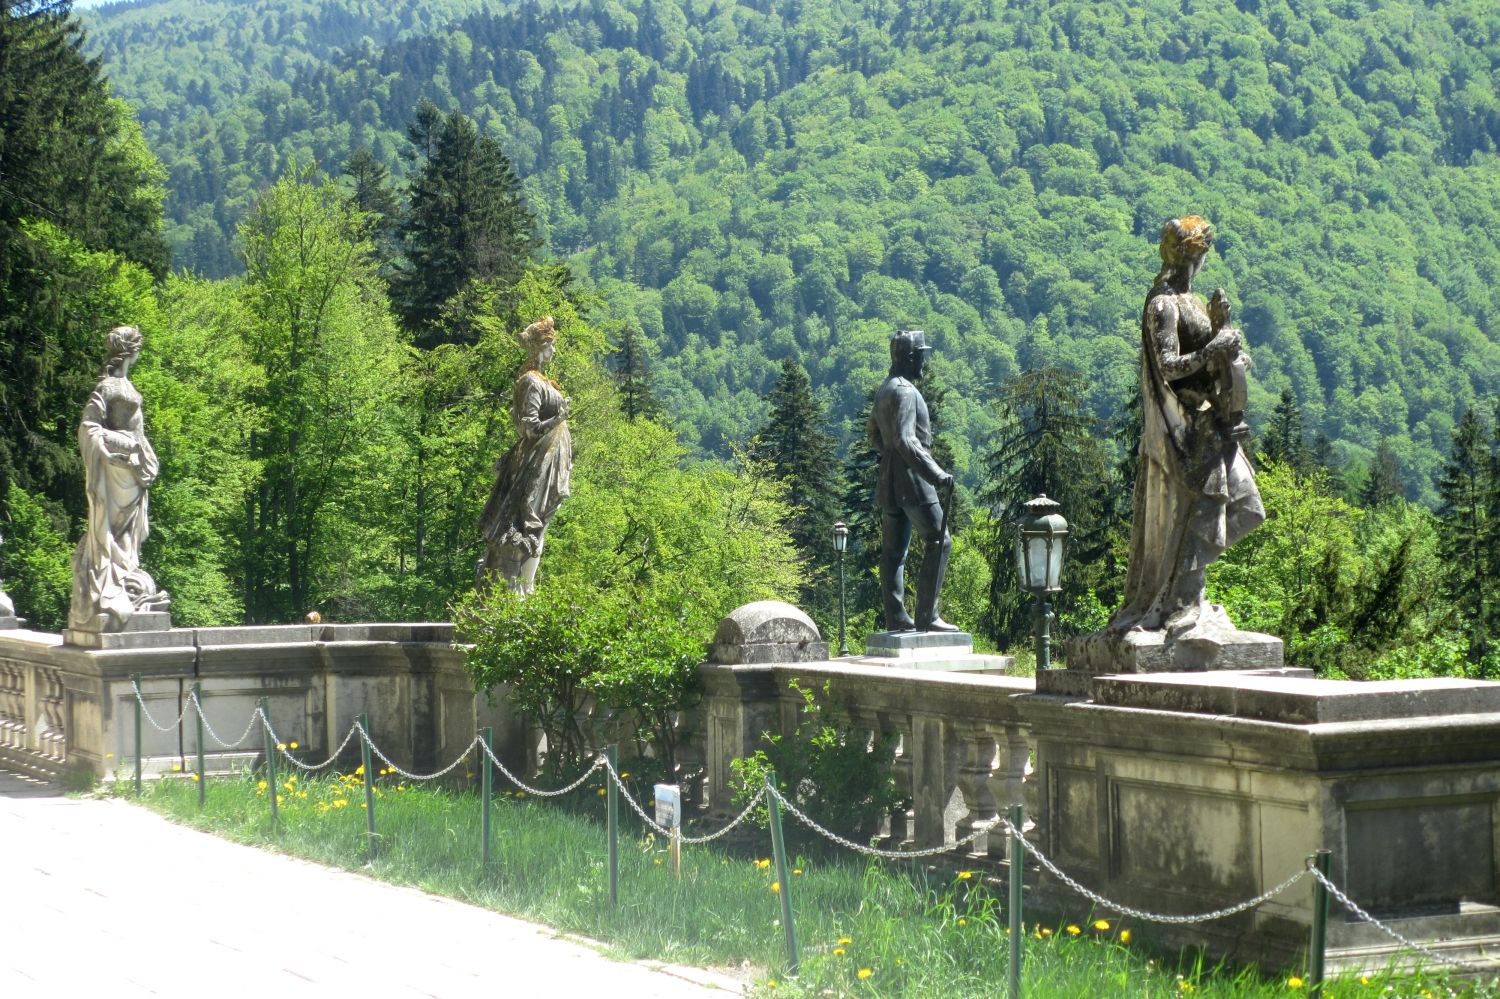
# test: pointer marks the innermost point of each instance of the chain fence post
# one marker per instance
(486, 791)
(135, 680)
(202, 777)
(271, 781)
(778, 850)
(612, 822)
(1317, 947)
(1017, 818)
(369, 769)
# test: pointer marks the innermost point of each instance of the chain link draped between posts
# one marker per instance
(1404, 941)
(769, 791)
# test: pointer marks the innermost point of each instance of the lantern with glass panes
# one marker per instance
(1041, 545)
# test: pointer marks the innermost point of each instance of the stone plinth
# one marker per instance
(146, 630)
(1181, 793)
(952, 651)
(767, 631)
(1110, 652)
(9, 622)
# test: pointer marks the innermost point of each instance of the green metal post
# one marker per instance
(1323, 861)
(135, 678)
(612, 823)
(1043, 632)
(369, 768)
(778, 851)
(198, 703)
(487, 787)
(271, 785)
(1017, 816)
(843, 642)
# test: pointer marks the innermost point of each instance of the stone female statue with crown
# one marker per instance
(533, 477)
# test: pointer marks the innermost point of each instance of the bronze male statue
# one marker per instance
(907, 491)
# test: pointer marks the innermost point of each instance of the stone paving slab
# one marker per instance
(104, 898)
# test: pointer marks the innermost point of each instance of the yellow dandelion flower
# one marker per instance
(196, 777)
(965, 875)
(839, 952)
(1185, 986)
(1101, 925)
(177, 768)
(962, 921)
(1294, 982)
(844, 942)
(762, 864)
(293, 745)
(658, 860)
(359, 771)
(625, 776)
(261, 786)
(281, 745)
(1046, 932)
(1073, 930)
(863, 973)
(603, 791)
(770, 983)
(796, 870)
(1125, 936)
(776, 886)
(1364, 979)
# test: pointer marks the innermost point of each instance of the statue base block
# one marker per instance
(9, 622)
(949, 651)
(1115, 652)
(147, 630)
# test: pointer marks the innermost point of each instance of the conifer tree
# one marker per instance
(1466, 539)
(1285, 441)
(466, 221)
(372, 194)
(799, 451)
(632, 368)
(1382, 483)
(1047, 443)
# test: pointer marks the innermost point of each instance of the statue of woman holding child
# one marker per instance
(1195, 494)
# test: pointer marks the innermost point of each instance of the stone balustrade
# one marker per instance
(961, 744)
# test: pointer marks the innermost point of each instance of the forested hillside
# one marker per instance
(752, 181)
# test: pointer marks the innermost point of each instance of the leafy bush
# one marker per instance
(829, 768)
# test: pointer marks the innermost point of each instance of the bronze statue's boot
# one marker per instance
(934, 568)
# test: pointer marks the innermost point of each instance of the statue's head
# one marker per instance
(1185, 241)
(122, 346)
(909, 352)
(539, 339)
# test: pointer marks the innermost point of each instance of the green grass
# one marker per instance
(919, 935)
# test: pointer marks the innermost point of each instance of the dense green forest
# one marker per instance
(330, 220)
(748, 182)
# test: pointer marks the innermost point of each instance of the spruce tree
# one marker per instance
(1382, 483)
(1285, 441)
(1464, 489)
(1047, 443)
(372, 194)
(797, 449)
(466, 220)
(632, 369)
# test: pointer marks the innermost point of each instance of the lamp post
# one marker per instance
(840, 545)
(1041, 543)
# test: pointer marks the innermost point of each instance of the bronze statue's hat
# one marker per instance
(908, 343)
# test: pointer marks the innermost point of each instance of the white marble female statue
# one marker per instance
(109, 585)
(7, 610)
(533, 477)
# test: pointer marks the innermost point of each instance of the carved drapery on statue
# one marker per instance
(7, 610)
(1195, 494)
(534, 476)
(110, 589)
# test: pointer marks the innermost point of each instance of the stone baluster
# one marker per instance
(12, 706)
(900, 833)
(979, 752)
(52, 733)
(932, 788)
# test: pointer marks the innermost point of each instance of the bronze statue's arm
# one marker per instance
(912, 451)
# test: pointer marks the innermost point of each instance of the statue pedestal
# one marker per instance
(9, 622)
(146, 630)
(951, 651)
(1115, 652)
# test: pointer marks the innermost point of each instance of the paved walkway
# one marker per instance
(104, 898)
